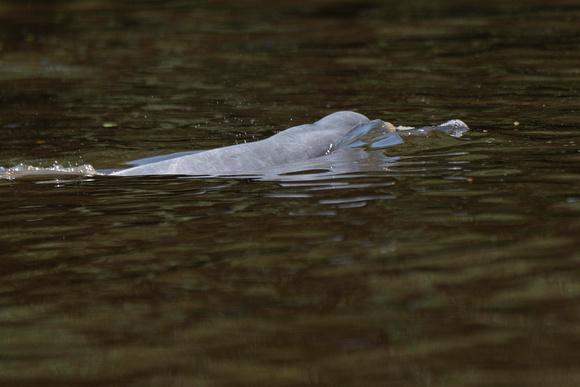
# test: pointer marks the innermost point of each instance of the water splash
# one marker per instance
(21, 170)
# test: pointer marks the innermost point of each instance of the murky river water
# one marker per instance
(458, 265)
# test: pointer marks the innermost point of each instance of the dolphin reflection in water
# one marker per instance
(341, 142)
(333, 142)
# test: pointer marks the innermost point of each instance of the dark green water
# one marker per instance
(459, 266)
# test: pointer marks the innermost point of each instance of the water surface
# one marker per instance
(456, 265)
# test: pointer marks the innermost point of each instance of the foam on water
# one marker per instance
(21, 170)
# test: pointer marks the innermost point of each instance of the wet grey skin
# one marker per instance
(294, 149)
(295, 144)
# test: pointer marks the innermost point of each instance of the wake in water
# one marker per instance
(24, 170)
(342, 142)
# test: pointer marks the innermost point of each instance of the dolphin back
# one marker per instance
(291, 145)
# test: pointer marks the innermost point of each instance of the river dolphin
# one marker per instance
(291, 146)
(341, 142)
